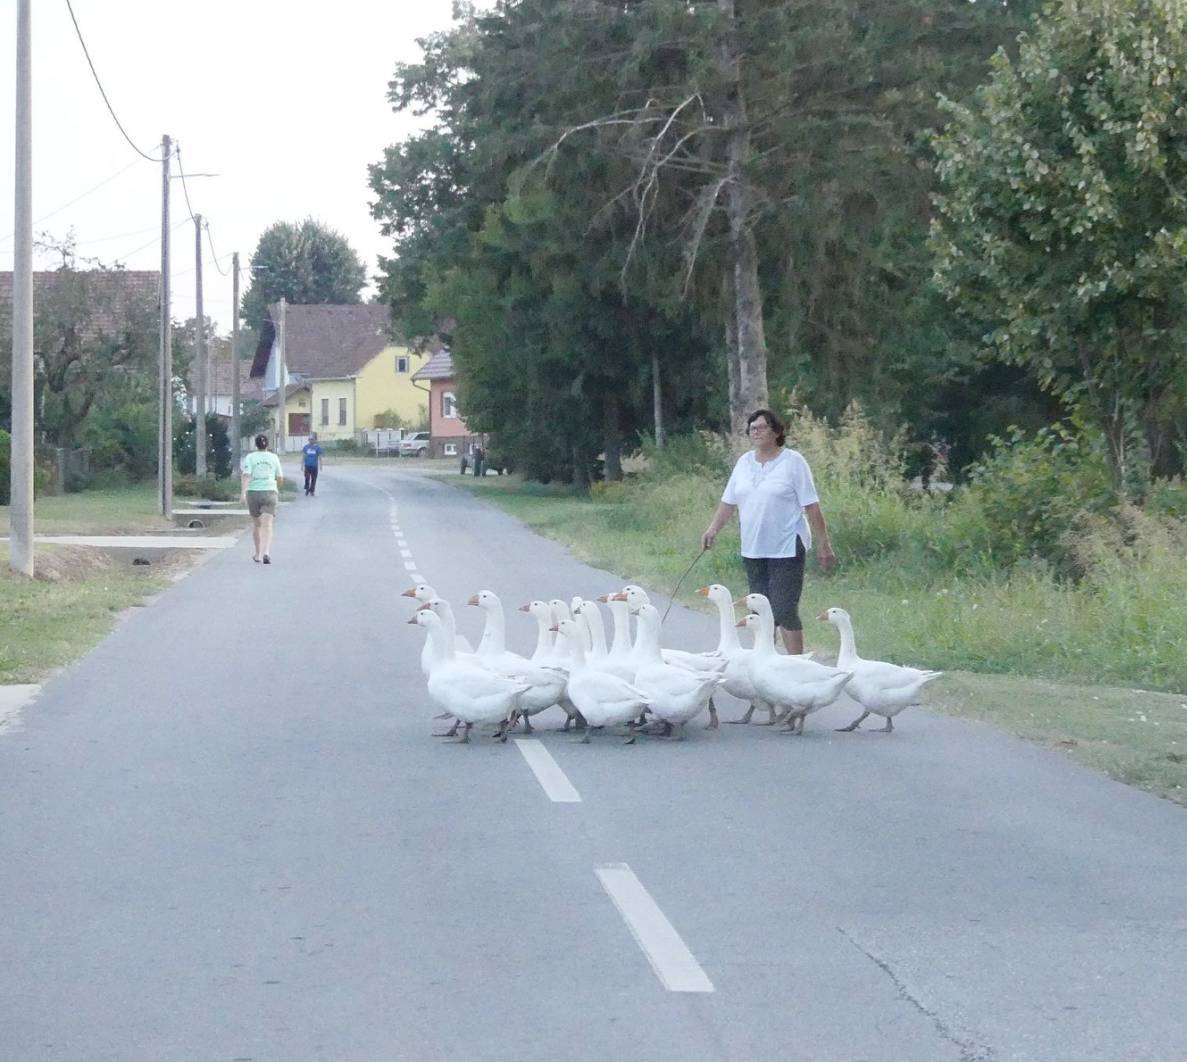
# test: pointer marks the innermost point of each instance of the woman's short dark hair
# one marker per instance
(773, 419)
(261, 441)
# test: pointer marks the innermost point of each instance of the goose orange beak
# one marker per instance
(740, 601)
(525, 608)
(410, 592)
(413, 620)
(823, 616)
(703, 590)
(740, 623)
(473, 600)
(555, 630)
(620, 596)
(421, 608)
(603, 598)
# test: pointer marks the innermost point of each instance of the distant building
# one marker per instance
(344, 370)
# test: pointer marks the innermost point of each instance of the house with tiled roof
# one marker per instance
(448, 433)
(345, 371)
(220, 381)
(108, 299)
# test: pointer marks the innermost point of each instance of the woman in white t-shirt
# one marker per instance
(772, 492)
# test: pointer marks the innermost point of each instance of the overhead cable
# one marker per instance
(102, 92)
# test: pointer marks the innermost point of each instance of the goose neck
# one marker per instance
(848, 646)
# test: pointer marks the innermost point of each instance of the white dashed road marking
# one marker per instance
(548, 772)
(669, 956)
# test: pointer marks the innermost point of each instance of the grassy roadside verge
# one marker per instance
(47, 623)
(126, 510)
(1019, 655)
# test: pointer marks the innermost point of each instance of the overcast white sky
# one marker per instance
(286, 102)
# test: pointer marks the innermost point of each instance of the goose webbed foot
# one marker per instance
(746, 717)
(852, 726)
(465, 738)
(888, 728)
(452, 730)
(527, 724)
(713, 720)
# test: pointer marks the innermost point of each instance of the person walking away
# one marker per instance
(772, 492)
(311, 452)
(261, 481)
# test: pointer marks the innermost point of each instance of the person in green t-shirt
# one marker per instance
(262, 477)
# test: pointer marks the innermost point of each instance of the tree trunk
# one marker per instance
(580, 470)
(657, 400)
(747, 302)
(613, 447)
(733, 363)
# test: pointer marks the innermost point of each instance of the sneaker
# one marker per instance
(267, 559)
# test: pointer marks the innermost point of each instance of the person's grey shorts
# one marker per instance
(780, 580)
(262, 501)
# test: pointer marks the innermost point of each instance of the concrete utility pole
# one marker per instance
(236, 428)
(199, 358)
(281, 400)
(20, 545)
(165, 414)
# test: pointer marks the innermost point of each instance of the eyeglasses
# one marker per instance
(758, 426)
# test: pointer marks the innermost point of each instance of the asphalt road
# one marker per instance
(227, 834)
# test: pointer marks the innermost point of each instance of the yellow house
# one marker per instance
(345, 372)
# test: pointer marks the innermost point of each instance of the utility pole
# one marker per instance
(282, 395)
(199, 359)
(20, 546)
(165, 415)
(236, 429)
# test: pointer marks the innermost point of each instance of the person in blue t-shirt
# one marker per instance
(312, 461)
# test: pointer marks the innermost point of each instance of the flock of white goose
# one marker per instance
(635, 682)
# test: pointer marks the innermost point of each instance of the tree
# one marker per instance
(1062, 217)
(305, 263)
(94, 343)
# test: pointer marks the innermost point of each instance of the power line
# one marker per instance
(210, 242)
(121, 257)
(95, 75)
(184, 186)
(77, 198)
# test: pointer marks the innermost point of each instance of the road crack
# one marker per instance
(969, 1050)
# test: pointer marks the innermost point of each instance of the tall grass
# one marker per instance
(933, 580)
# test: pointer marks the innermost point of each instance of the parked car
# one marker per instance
(415, 445)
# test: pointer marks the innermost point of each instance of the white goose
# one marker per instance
(423, 592)
(622, 665)
(467, 691)
(603, 699)
(880, 688)
(546, 683)
(802, 686)
(705, 662)
(736, 680)
(560, 612)
(676, 694)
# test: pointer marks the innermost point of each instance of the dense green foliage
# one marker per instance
(1062, 222)
(563, 217)
(303, 263)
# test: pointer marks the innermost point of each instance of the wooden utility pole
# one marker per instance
(199, 373)
(20, 516)
(236, 428)
(281, 395)
(165, 364)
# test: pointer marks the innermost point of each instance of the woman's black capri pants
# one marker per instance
(780, 580)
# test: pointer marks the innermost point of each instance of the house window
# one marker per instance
(448, 404)
(325, 411)
(401, 364)
(449, 449)
(342, 411)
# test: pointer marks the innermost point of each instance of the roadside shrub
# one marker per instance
(218, 445)
(187, 485)
(1030, 495)
(124, 438)
(852, 454)
(699, 453)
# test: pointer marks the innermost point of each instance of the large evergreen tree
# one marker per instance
(303, 263)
